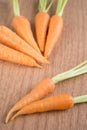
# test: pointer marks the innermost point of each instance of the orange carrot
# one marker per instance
(23, 27)
(58, 102)
(55, 28)
(9, 54)
(46, 86)
(10, 38)
(41, 23)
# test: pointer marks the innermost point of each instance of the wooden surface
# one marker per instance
(16, 80)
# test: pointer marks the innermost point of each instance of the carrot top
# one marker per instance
(16, 8)
(43, 5)
(60, 7)
(78, 70)
(80, 99)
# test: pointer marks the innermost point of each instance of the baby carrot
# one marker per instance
(38, 92)
(9, 54)
(55, 28)
(41, 23)
(23, 27)
(58, 102)
(10, 38)
(46, 86)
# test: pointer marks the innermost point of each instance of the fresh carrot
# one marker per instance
(58, 102)
(10, 38)
(55, 28)
(38, 92)
(9, 54)
(41, 23)
(47, 86)
(23, 27)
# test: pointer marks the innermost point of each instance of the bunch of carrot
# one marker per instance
(29, 103)
(48, 31)
(21, 47)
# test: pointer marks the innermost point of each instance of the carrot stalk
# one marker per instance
(16, 8)
(58, 102)
(76, 71)
(43, 5)
(9, 54)
(80, 99)
(55, 28)
(46, 86)
(23, 27)
(60, 7)
(10, 38)
(41, 23)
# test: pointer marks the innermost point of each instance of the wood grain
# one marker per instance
(16, 81)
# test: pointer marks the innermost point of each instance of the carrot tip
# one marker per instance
(48, 62)
(46, 56)
(9, 115)
(7, 118)
(14, 116)
(39, 66)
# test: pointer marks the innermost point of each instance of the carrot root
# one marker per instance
(41, 25)
(54, 33)
(23, 29)
(42, 21)
(11, 55)
(58, 102)
(43, 88)
(22, 26)
(10, 38)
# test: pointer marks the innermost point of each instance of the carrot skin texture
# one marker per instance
(23, 29)
(58, 102)
(42, 88)
(9, 54)
(54, 33)
(11, 39)
(41, 25)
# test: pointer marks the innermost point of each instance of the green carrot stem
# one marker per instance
(75, 68)
(60, 7)
(80, 99)
(43, 5)
(76, 71)
(16, 8)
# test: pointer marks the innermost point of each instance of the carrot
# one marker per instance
(46, 86)
(38, 92)
(23, 27)
(10, 38)
(41, 23)
(55, 28)
(58, 102)
(9, 54)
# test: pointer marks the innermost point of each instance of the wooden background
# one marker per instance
(16, 80)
